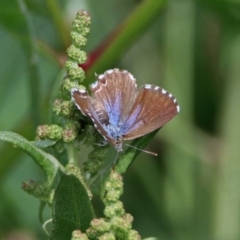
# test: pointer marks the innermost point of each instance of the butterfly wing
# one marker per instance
(116, 91)
(152, 108)
(92, 109)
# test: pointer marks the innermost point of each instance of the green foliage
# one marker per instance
(71, 208)
(47, 162)
(190, 191)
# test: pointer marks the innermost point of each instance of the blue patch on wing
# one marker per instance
(114, 110)
(130, 124)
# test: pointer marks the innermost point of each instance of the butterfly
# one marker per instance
(120, 111)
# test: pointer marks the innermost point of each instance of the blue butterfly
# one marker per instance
(120, 111)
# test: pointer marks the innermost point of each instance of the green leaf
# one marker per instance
(47, 162)
(125, 35)
(44, 143)
(127, 158)
(72, 208)
(151, 238)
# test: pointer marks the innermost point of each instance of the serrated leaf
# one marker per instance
(72, 208)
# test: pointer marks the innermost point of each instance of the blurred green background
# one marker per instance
(191, 48)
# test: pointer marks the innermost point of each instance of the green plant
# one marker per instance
(67, 187)
(190, 191)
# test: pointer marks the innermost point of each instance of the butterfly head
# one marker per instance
(119, 144)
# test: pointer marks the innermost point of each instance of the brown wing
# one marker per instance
(90, 108)
(116, 90)
(152, 108)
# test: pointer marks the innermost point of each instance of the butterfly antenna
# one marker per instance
(115, 161)
(142, 150)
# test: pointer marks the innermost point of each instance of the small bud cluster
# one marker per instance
(38, 190)
(70, 131)
(95, 160)
(117, 224)
(78, 235)
(56, 132)
(53, 132)
(75, 170)
(64, 107)
(68, 125)
(76, 75)
(75, 55)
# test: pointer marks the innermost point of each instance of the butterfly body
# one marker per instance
(120, 111)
